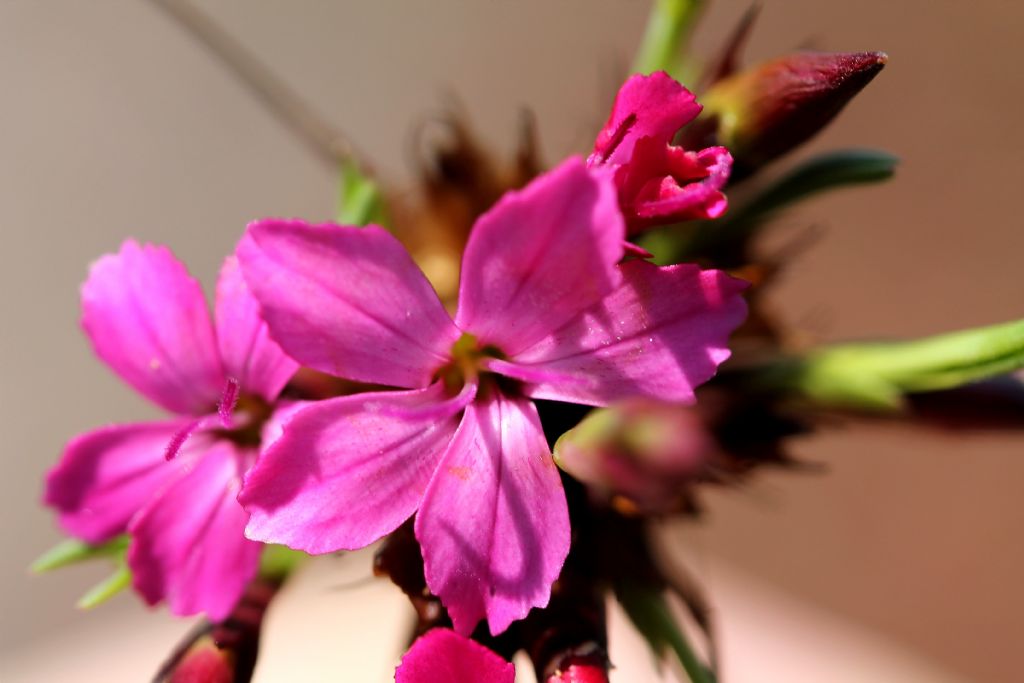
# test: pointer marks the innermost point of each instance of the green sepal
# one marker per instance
(72, 551)
(360, 201)
(107, 588)
(663, 46)
(648, 609)
(278, 561)
(877, 375)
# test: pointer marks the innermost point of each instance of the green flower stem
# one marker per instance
(648, 610)
(359, 198)
(876, 376)
(668, 31)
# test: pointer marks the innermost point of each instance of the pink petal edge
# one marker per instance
(662, 333)
(494, 523)
(147, 319)
(347, 301)
(188, 546)
(342, 476)
(106, 476)
(250, 356)
(541, 255)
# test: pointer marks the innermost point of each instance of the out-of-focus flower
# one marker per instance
(767, 110)
(640, 454)
(657, 181)
(148, 320)
(443, 655)
(223, 652)
(546, 310)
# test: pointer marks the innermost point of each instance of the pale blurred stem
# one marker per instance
(666, 36)
(325, 141)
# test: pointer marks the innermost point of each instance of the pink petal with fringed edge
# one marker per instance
(660, 334)
(188, 545)
(148, 320)
(680, 185)
(347, 470)
(106, 476)
(540, 256)
(250, 356)
(442, 655)
(494, 525)
(654, 106)
(347, 301)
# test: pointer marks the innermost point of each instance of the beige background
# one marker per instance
(115, 123)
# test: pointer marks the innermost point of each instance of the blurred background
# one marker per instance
(900, 559)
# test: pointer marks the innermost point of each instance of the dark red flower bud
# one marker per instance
(763, 112)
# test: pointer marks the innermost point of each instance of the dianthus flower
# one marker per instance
(545, 311)
(172, 483)
(657, 181)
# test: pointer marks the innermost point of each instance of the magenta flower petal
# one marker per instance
(540, 256)
(107, 475)
(652, 106)
(441, 654)
(663, 184)
(188, 546)
(147, 319)
(250, 356)
(341, 476)
(663, 332)
(494, 525)
(347, 301)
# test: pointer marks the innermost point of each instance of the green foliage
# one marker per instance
(876, 376)
(665, 39)
(72, 551)
(726, 242)
(107, 588)
(360, 201)
(648, 609)
(278, 561)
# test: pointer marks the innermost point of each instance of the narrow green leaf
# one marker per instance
(72, 551)
(359, 198)
(877, 375)
(827, 171)
(648, 609)
(668, 31)
(725, 241)
(106, 589)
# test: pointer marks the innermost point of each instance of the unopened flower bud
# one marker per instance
(204, 662)
(763, 112)
(223, 652)
(639, 455)
(581, 670)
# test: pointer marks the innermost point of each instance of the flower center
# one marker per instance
(247, 419)
(468, 362)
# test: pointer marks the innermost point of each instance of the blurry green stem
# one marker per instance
(280, 99)
(649, 611)
(359, 198)
(666, 36)
(875, 376)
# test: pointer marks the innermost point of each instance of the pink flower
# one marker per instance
(659, 183)
(148, 320)
(545, 310)
(443, 655)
